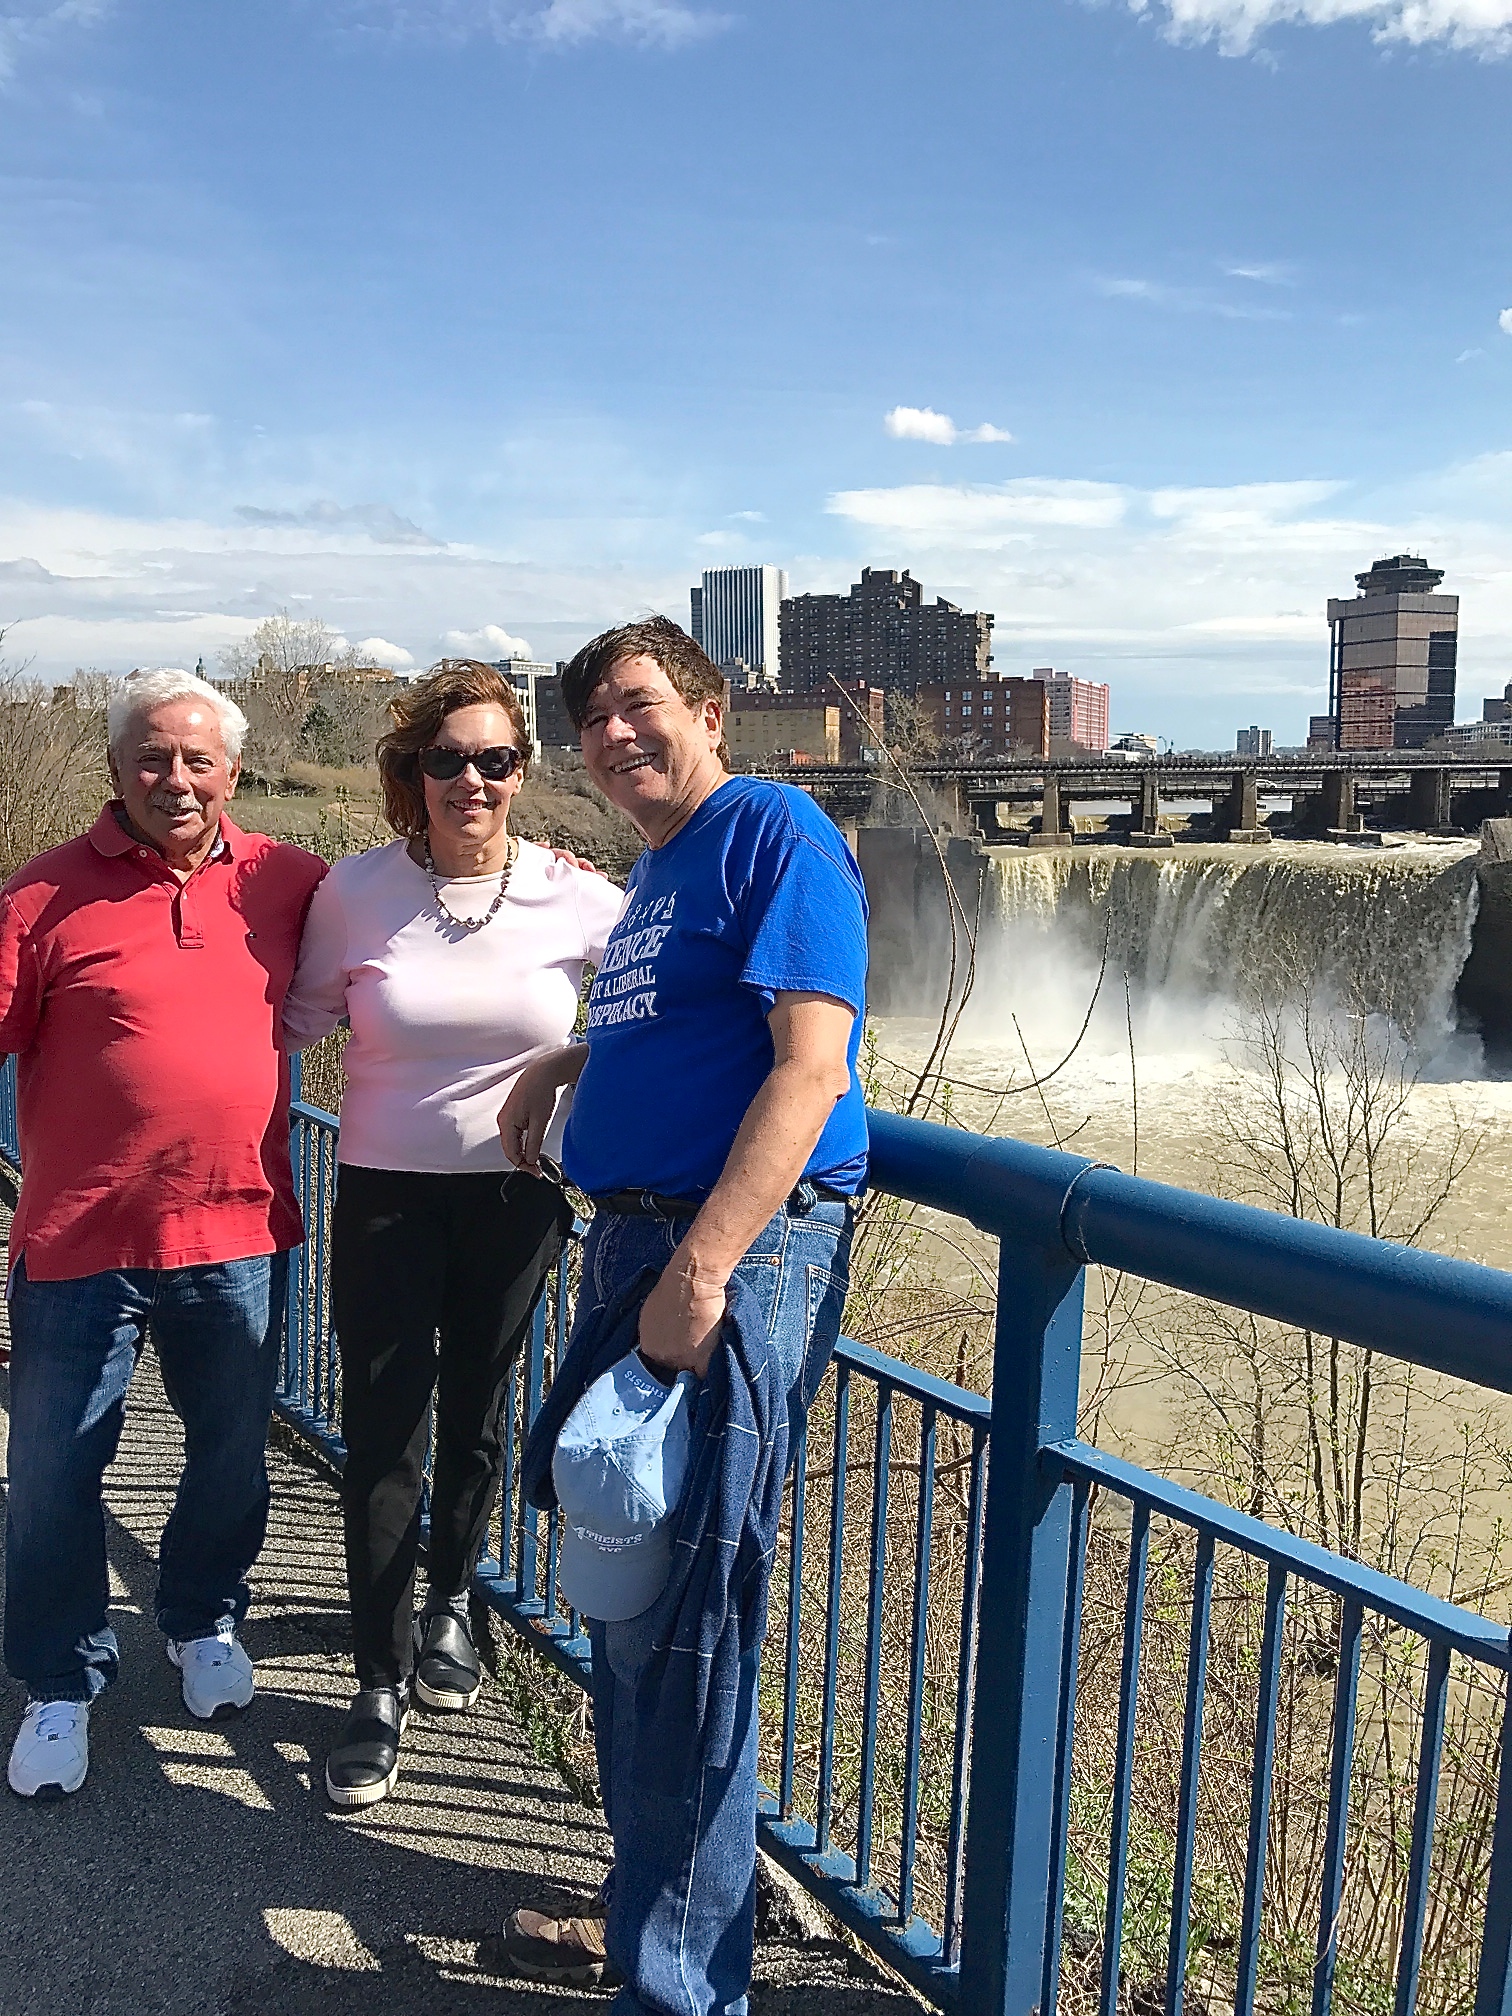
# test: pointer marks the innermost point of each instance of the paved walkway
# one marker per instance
(201, 1870)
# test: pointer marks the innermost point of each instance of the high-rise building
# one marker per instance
(883, 633)
(554, 729)
(695, 616)
(989, 717)
(1253, 742)
(527, 679)
(738, 619)
(1392, 658)
(1078, 708)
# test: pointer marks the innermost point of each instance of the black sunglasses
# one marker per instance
(495, 764)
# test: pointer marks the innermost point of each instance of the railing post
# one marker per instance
(1036, 1372)
(1493, 1988)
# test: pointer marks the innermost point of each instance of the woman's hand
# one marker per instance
(528, 1111)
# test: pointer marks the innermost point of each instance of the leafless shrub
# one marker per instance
(53, 777)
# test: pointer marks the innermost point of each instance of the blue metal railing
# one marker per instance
(10, 1129)
(999, 1821)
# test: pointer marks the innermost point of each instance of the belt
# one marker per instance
(800, 1200)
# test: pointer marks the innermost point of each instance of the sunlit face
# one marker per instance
(648, 750)
(174, 775)
(471, 810)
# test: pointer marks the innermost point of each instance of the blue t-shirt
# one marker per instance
(757, 895)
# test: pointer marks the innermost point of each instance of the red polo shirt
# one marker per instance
(146, 1015)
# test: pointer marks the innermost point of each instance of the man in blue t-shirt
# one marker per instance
(719, 1127)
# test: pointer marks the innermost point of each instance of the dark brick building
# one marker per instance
(883, 634)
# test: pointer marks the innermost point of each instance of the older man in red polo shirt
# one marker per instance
(143, 968)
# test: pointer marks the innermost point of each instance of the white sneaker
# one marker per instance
(217, 1672)
(50, 1755)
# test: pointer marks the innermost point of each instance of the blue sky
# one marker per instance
(459, 320)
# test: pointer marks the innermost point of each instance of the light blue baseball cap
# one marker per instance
(619, 1468)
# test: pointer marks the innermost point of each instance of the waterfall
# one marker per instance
(1195, 930)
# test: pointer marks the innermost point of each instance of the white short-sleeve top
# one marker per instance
(443, 1019)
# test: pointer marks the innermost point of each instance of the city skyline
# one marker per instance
(1106, 333)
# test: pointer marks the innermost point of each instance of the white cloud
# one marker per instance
(1265, 273)
(1480, 27)
(30, 25)
(981, 515)
(379, 651)
(1188, 597)
(669, 24)
(1188, 300)
(1504, 321)
(922, 423)
(90, 588)
(378, 522)
(489, 643)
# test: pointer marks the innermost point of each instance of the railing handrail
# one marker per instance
(1447, 1315)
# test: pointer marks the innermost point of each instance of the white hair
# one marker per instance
(155, 688)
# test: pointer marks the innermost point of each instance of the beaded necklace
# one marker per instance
(472, 923)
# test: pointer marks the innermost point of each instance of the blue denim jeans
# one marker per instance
(682, 1903)
(74, 1348)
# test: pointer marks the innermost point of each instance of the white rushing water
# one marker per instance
(1196, 930)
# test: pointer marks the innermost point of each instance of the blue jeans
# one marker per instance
(682, 1904)
(74, 1347)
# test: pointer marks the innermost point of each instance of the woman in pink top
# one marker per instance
(456, 955)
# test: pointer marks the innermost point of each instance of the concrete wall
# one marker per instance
(909, 935)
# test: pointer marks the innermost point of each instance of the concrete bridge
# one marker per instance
(1331, 794)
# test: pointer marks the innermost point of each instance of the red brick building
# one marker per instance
(990, 717)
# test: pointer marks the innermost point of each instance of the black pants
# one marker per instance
(433, 1283)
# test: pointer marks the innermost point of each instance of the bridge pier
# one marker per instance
(1054, 830)
(984, 813)
(1146, 830)
(1237, 817)
(1339, 814)
(1430, 799)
